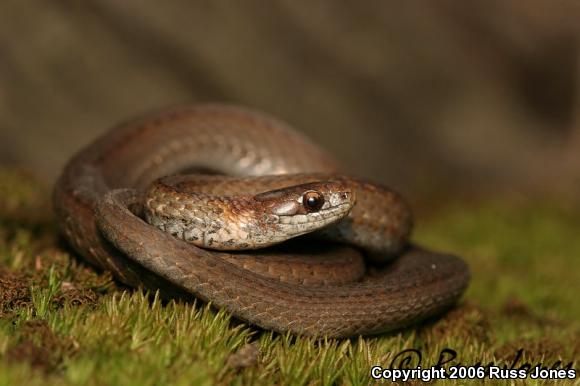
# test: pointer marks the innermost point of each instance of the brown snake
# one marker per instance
(307, 287)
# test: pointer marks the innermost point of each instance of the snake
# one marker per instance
(234, 207)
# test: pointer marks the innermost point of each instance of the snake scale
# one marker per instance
(308, 285)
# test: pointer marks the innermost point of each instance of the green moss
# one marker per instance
(64, 324)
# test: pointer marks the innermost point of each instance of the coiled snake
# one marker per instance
(306, 286)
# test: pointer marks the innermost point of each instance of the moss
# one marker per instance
(35, 343)
(63, 323)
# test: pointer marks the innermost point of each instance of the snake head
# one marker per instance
(197, 211)
(304, 208)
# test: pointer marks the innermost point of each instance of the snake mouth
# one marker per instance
(297, 225)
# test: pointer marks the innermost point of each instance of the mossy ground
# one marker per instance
(61, 323)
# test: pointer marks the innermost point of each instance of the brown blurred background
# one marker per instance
(425, 96)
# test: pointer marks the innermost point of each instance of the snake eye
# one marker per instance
(312, 201)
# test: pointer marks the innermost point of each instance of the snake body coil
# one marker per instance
(304, 287)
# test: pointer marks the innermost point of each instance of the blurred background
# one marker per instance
(433, 98)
